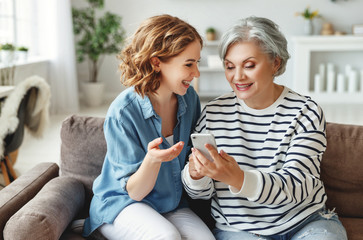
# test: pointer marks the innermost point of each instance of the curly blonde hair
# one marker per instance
(162, 36)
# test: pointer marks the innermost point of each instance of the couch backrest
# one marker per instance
(83, 150)
(342, 169)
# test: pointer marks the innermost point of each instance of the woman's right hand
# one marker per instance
(157, 155)
(143, 180)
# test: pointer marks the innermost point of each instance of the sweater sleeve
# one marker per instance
(299, 178)
(197, 189)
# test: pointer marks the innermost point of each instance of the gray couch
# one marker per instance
(42, 203)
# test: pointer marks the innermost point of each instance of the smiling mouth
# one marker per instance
(187, 83)
(243, 86)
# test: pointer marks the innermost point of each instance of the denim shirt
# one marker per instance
(131, 123)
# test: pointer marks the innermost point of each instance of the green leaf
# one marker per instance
(96, 36)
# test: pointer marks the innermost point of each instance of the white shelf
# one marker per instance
(308, 48)
(346, 97)
(212, 82)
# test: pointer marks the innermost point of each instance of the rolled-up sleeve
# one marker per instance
(124, 151)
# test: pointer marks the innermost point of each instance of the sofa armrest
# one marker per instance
(24, 188)
(51, 211)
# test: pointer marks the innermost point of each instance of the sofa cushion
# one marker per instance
(342, 169)
(353, 226)
(48, 214)
(23, 189)
(83, 150)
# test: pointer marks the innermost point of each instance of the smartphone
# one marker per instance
(200, 139)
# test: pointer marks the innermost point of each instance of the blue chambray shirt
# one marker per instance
(130, 124)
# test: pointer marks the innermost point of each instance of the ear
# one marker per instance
(276, 64)
(155, 62)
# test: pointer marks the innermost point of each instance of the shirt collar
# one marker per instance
(148, 110)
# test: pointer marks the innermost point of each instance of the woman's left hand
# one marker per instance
(224, 168)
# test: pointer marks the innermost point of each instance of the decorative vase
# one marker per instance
(308, 27)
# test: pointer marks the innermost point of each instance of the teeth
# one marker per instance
(186, 82)
(243, 86)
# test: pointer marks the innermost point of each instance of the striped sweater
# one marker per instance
(279, 149)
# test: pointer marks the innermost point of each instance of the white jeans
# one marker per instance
(140, 221)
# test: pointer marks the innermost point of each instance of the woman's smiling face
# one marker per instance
(250, 72)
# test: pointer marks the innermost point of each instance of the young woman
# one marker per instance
(265, 180)
(139, 192)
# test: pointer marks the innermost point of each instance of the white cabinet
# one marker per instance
(212, 82)
(313, 52)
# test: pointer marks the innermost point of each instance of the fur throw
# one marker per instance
(37, 109)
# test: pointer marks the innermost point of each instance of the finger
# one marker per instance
(226, 156)
(212, 151)
(177, 148)
(197, 165)
(200, 157)
(154, 143)
(171, 152)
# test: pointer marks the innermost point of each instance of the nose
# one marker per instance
(196, 72)
(239, 74)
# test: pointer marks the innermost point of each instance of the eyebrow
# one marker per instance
(226, 60)
(192, 60)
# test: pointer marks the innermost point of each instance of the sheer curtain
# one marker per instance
(57, 44)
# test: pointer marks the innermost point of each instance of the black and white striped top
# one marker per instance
(279, 148)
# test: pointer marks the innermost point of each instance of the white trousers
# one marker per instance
(139, 221)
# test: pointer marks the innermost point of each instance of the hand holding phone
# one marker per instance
(200, 139)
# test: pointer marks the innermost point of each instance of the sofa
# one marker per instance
(44, 202)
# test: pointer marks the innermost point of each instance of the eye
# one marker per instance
(189, 65)
(250, 65)
(229, 66)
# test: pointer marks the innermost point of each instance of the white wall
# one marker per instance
(223, 13)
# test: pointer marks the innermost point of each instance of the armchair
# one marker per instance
(57, 200)
(27, 106)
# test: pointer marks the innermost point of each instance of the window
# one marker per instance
(19, 23)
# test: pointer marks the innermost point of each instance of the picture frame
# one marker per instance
(357, 29)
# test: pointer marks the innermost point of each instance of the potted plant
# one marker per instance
(97, 35)
(308, 16)
(22, 53)
(211, 34)
(7, 53)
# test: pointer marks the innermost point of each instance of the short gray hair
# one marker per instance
(264, 32)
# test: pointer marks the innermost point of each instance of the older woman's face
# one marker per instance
(250, 72)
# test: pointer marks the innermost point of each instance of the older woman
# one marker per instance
(265, 180)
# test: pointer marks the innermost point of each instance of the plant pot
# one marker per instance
(22, 56)
(7, 57)
(211, 36)
(93, 93)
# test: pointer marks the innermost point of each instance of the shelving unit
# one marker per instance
(212, 82)
(311, 51)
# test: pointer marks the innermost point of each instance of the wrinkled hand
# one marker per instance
(157, 155)
(194, 174)
(224, 168)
